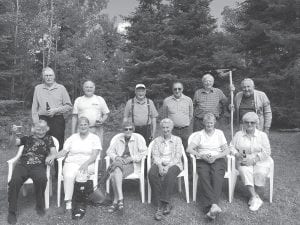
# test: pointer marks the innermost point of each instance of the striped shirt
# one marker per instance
(180, 111)
(208, 102)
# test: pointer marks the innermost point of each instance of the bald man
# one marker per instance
(251, 100)
(92, 107)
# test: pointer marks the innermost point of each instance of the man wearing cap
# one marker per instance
(179, 108)
(208, 100)
(142, 113)
(50, 101)
(91, 106)
(251, 100)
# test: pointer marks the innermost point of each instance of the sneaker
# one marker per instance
(12, 218)
(40, 211)
(158, 214)
(68, 205)
(210, 216)
(250, 202)
(215, 210)
(256, 204)
(113, 208)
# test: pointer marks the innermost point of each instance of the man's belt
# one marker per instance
(180, 128)
(201, 118)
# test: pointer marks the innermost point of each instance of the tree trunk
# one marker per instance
(50, 35)
(12, 88)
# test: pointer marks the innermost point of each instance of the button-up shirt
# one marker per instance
(137, 148)
(180, 110)
(140, 111)
(208, 102)
(254, 145)
(175, 146)
(56, 96)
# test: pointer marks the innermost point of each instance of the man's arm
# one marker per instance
(267, 114)
(165, 109)
(126, 111)
(191, 110)
(153, 121)
(66, 103)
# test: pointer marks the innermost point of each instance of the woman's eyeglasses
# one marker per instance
(250, 122)
(177, 89)
(128, 129)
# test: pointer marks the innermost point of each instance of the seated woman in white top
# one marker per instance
(82, 149)
(252, 150)
(210, 148)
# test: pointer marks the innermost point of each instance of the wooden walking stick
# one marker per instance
(231, 102)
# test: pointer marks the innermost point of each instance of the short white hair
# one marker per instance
(168, 121)
(48, 69)
(247, 80)
(250, 116)
(208, 117)
(88, 81)
(207, 76)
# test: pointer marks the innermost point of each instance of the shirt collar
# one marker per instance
(254, 135)
(54, 86)
(122, 138)
(177, 99)
(172, 139)
(210, 91)
(140, 102)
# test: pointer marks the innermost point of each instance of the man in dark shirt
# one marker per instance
(38, 150)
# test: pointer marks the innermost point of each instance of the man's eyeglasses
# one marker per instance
(128, 129)
(177, 89)
(250, 122)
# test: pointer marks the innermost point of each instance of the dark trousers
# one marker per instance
(145, 131)
(183, 133)
(20, 174)
(162, 186)
(211, 178)
(57, 128)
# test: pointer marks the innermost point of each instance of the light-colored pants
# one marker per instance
(99, 132)
(70, 171)
(255, 175)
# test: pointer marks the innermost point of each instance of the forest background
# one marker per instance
(166, 41)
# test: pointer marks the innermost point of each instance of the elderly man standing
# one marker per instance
(91, 106)
(179, 108)
(208, 100)
(50, 101)
(251, 100)
(142, 113)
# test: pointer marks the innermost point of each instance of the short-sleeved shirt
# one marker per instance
(35, 149)
(247, 105)
(140, 111)
(93, 108)
(79, 150)
(56, 96)
(209, 144)
(180, 110)
(208, 102)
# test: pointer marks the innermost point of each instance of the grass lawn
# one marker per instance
(285, 208)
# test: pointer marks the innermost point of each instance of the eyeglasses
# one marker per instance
(249, 122)
(128, 129)
(177, 89)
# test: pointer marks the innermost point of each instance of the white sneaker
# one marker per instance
(250, 202)
(256, 204)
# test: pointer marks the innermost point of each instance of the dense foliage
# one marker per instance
(167, 40)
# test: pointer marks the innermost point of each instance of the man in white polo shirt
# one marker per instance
(92, 107)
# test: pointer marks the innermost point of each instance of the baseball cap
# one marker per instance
(140, 86)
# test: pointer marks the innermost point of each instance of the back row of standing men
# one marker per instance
(51, 100)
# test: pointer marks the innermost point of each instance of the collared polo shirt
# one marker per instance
(56, 96)
(180, 111)
(208, 102)
(93, 108)
(140, 111)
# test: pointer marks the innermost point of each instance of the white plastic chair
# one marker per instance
(184, 173)
(60, 177)
(228, 173)
(235, 173)
(132, 176)
(11, 165)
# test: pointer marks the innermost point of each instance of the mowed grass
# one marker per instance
(284, 209)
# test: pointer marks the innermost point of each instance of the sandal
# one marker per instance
(113, 207)
(121, 206)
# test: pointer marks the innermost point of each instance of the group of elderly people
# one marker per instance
(250, 145)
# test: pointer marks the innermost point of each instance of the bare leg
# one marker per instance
(119, 181)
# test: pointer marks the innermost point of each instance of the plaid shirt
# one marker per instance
(208, 102)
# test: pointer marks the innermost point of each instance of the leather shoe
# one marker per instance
(167, 209)
(12, 218)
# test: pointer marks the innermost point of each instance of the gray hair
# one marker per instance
(207, 76)
(251, 116)
(208, 117)
(166, 121)
(83, 118)
(48, 69)
(87, 81)
(247, 80)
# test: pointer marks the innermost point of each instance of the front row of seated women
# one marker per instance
(250, 146)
